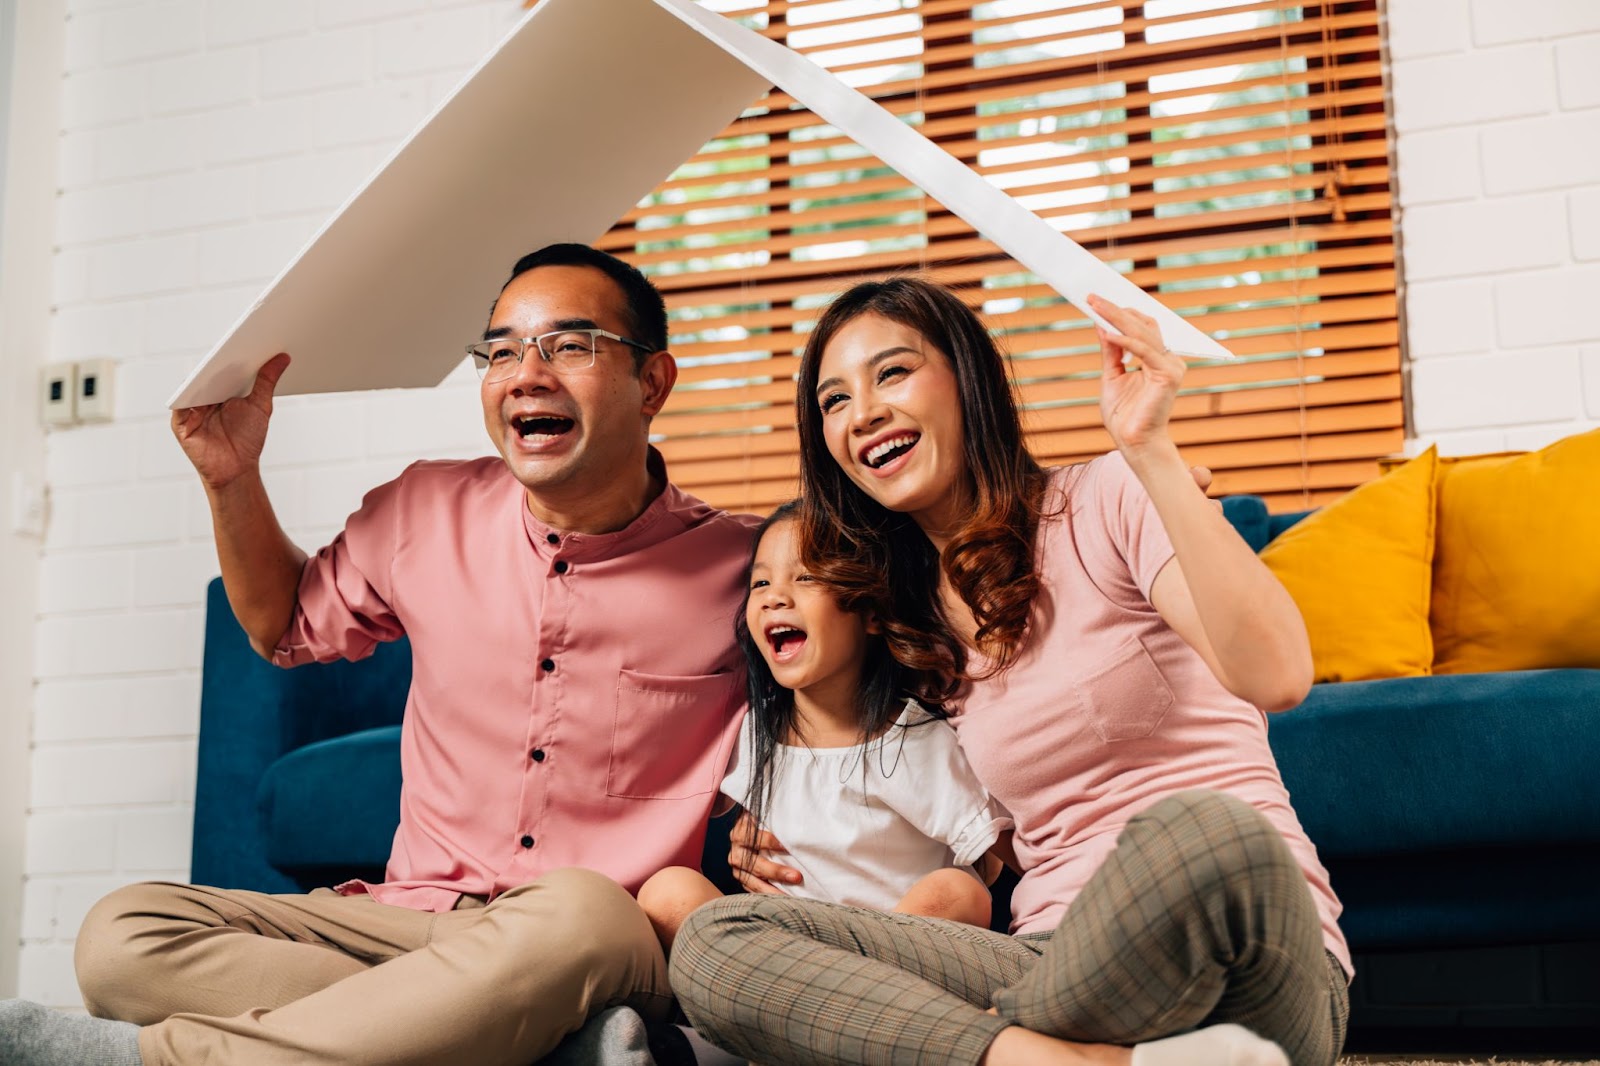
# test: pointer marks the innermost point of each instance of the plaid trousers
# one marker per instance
(1200, 916)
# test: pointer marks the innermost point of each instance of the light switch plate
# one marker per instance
(58, 391)
(96, 400)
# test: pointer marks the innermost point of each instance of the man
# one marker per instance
(575, 693)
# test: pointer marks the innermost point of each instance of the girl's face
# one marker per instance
(810, 643)
(891, 415)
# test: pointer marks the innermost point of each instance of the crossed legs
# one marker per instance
(217, 976)
(1200, 917)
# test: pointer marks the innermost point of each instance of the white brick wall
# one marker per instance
(1496, 22)
(1584, 208)
(1484, 236)
(202, 140)
(1497, 110)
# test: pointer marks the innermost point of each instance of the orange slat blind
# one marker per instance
(1229, 156)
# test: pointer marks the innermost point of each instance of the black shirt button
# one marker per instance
(537, 754)
(552, 538)
(527, 842)
(561, 566)
(548, 665)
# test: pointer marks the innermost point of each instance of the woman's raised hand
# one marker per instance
(750, 867)
(1135, 402)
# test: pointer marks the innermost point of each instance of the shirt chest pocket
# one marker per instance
(667, 735)
(1126, 696)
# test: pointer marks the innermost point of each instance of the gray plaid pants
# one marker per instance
(1200, 916)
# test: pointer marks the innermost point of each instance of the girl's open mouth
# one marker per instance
(786, 642)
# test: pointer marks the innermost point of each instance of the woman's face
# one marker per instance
(891, 415)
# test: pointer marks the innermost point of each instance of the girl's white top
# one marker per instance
(863, 824)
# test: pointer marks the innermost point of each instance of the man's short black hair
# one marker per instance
(646, 310)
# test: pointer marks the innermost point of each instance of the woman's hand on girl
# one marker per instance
(747, 859)
(1135, 402)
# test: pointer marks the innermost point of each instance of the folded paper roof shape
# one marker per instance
(583, 109)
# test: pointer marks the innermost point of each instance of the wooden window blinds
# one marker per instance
(1229, 156)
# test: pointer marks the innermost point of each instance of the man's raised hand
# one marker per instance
(224, 440)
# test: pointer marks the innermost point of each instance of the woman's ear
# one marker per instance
(874, 627)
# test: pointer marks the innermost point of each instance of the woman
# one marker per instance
(1117, 644)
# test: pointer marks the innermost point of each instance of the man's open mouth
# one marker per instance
(786, 641)
(540, 426)
(885, 452)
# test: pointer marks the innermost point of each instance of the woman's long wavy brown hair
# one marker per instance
(878, 559)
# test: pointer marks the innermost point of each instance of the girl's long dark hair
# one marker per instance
(880, 557)
(885, 685)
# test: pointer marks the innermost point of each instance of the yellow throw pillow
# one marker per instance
(1516, 580)
(1359, 570)
(1446, 463)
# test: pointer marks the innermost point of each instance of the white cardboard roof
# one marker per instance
(583, 109)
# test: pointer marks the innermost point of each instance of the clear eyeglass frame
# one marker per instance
(561, 349)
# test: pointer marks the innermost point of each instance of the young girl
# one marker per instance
(868, 791)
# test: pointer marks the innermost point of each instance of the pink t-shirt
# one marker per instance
(1108, 709)
(574, 699)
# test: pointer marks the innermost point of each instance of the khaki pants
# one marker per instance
(224, 977)
(1201, 915)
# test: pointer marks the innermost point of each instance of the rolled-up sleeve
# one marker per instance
(345, 603)
(945, 799)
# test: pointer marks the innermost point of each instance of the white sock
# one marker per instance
(1215, 1045)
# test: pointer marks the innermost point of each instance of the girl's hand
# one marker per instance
(1135, 402)
(746, 858)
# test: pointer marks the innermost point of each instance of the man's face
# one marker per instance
(570, 433)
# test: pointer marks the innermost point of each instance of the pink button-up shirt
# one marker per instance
(574, 698)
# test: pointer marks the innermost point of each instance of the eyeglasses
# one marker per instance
(563, 349)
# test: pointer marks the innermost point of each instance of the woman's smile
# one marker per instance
(889, 453)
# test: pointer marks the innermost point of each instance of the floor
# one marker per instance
(1476, 1060)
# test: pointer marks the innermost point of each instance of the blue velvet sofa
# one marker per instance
(1459, 818)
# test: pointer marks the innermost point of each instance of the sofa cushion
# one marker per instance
(333, 804)
(251, 713)
(1252, 522)
(1515, 586)
(1250, 519)
(1436, 764)
(1360, 570)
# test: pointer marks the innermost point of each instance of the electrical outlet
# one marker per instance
(58, 393)
(96, 401)
(29, 500)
